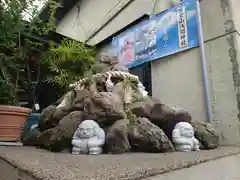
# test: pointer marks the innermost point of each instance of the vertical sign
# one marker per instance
(182, 27)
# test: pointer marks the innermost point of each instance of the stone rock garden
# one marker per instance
(117, 101)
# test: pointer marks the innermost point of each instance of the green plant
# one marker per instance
(16, 47)
(68, 62)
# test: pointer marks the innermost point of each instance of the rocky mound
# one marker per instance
(132, 122)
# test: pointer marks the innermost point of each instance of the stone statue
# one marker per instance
(88, 138)
(183, 137)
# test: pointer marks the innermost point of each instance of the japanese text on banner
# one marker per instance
(182, 27)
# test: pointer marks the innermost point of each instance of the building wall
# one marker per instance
(234, 5)
(89, 15)
(178, 79)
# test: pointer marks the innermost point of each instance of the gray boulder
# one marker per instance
(117, 137)
(206, 134)
(143, 108)
(78, 101)
(46, 119)
(105, 108)
(166, 117)
(59, 138)
(144, 136)
(59, 114)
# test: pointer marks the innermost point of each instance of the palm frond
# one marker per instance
(68, 62)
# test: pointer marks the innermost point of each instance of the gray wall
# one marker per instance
(79, 23)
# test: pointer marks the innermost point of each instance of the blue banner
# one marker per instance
(169, 32)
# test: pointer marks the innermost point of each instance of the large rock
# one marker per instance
(51, 115)
(206, 134)
(166, 117)
(46, 118)
(117, 137)
(144, 136)
(105, 108)
(59, 114)
(144, 107)
(59, 138)
(78, 102)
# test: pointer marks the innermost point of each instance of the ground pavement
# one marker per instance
(27, 163)
(222, 169)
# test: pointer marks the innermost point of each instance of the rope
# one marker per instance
(121, 74)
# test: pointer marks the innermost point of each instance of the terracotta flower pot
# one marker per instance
(12, 122)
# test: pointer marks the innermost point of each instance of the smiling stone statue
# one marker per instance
(88, 138)
(183, 137)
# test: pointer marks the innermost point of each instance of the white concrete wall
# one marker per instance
(79, 23)
(86, 16)
(177, 80)
(235, 9)
(224, 100)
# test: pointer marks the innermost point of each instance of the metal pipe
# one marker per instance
(152, 13)
(110, 18)
(204, 64)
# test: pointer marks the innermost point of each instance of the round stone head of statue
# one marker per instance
(183, 137)
(87, 129)
(185, 128)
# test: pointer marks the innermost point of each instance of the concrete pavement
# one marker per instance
(223, 169)
(31, 163)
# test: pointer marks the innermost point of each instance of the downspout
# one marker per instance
(204, 64)
(152, 14)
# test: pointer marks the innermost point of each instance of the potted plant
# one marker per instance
(15, 49)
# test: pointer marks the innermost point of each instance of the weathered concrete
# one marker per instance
(234, 5)
(81, 20)
(10, 172)
(213, 170)
(40, 164)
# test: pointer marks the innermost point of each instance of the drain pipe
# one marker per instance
(204, 64)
